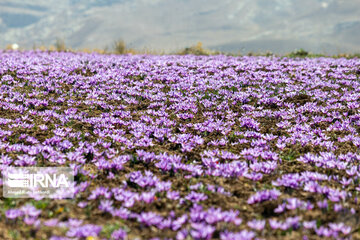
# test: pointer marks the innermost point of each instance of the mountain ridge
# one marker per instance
(250, 25)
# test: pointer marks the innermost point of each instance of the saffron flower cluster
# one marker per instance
(183, 147)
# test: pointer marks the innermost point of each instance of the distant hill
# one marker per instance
(280, 46)
(279, 26)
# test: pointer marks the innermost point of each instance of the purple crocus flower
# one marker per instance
(73, 222)
(121, 212)
(323, 231)
(340, 227)
(201, 231)
(177, 224)
(14, 213)
(82, 204)
(59, 238)
(149, 218)
(106, 205)
(280, 208)
(30, 210)
(274, 224)
(100, 191)
(256, 224)
(293, 222)
(173, 195)
(309, 224)
(51, 222)
(264, 195)
(196, 197)
(166, 223)
(243, 235)
(322, 204)
(31, 220)
(182, 234)
(84, 231)
(148, 197)
(119, 234)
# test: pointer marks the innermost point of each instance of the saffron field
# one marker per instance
(183, 147)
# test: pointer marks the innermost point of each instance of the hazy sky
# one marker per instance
(324, 26)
